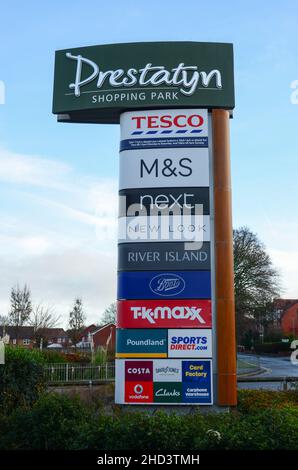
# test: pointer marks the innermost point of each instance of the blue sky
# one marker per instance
(55, 178)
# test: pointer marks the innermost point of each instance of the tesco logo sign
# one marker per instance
(167, 121)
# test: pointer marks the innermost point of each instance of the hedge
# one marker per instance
(21, 379)
(58, 422)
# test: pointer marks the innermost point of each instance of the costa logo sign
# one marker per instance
(138, 370)
(189, 343)
(164, 314)
(167, 284)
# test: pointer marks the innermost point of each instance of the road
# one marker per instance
(275, 366)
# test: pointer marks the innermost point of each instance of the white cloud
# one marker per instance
(57, 234)
(25, 169)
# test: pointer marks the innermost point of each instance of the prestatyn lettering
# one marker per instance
(187, 77)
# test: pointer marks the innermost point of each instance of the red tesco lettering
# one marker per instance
(166, 121)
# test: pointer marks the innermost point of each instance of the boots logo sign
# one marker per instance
(167, 284)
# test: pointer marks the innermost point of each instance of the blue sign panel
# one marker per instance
(197, 382)
(141, 342)
(163, 285)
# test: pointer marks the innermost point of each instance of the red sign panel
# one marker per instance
(164, 314)
(139, 392)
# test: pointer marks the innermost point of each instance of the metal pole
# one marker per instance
(223, 240)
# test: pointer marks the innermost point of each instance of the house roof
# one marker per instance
(103, 327)
(284, 304)
(27, 332)
(53, 332)
(23, 332)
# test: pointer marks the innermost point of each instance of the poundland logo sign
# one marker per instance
(93, 84)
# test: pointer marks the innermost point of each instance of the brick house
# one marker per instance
(287, 312)
(104, 337)
(21, 336)
(26, 336)
(289, 320)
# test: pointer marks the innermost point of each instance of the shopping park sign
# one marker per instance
(96, 83)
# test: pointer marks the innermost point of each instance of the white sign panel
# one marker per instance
(165, 123)
(188, 228)
(190, 343)
(164, 168)
(167, 371)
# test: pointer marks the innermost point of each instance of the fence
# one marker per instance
(79, 373)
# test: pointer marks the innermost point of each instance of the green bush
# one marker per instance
(58, 422)
(21, 378)
(49, 424)
(256, 400)
(273, 348)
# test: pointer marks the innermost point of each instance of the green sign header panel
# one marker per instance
(97, 83)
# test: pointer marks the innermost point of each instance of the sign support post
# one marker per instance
(224, 284)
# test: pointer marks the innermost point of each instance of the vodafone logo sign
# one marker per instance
(164, 314)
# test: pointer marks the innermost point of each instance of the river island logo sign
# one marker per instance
(167, 285)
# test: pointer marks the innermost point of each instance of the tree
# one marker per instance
(21, 307)
(256, 282)
(76, 321)
(42, 317)
(109, 315)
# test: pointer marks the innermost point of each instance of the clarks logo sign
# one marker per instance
(187, 78)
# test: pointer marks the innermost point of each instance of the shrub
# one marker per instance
(255, 400)
(21, 378)
(273, 348)
(50, 424)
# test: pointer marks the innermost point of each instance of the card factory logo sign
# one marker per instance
(108, 78)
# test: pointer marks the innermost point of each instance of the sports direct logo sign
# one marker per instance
(189, 343)
(164, 314)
